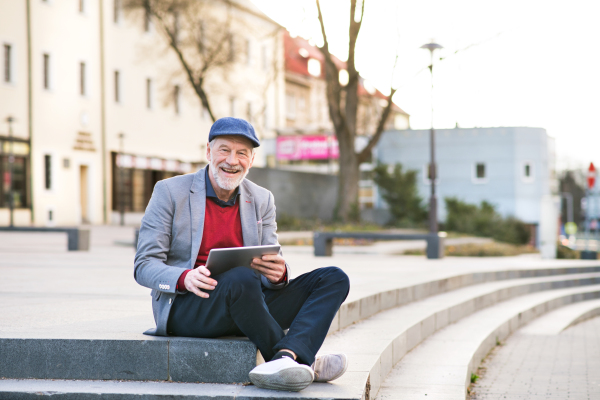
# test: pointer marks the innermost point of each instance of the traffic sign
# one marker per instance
(571, 228)
(591, 178)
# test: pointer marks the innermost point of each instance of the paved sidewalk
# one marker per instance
(47, 292)
(555, 366)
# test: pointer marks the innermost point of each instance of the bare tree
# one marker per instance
(197, 32)
(343, 102)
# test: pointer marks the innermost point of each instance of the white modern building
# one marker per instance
(513, 168)
(93, 88)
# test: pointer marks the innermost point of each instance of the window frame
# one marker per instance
(177, 99)
(49, 183)
(8, 63)
(531, 177)
(474, 178)
(117, 92)
(47, 81)
(83, 73)
(149, 99)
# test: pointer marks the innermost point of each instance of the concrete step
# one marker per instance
(441, 366)
(563, 318)
(88, 354)
(154, 358)
(371, 304)
(376, 344)
(373, 345)
(23, 389)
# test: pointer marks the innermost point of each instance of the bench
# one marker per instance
(77, 239)
(323, 241)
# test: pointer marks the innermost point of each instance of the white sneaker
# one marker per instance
(282, 374)
(329, 367)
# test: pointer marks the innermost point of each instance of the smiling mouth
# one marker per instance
(230, 171)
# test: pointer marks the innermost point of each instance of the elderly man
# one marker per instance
(217, 207)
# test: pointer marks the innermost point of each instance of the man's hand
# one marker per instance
(198, 279)
(271, 266)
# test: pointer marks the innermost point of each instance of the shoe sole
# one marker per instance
(291, 379)
(339, 373)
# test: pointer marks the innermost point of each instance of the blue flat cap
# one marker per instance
(233, 126)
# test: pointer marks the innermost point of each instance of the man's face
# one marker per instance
(230, 159)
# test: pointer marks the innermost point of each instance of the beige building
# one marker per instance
(102, 109)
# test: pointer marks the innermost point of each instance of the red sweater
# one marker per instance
(222, 228)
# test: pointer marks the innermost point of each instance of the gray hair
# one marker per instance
(212, 143)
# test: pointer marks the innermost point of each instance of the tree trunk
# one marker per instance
(347, 203)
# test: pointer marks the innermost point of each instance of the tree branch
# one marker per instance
(334, 88)
(364, 154)
(196, 84)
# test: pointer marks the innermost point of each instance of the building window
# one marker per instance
(480, 174)
(231, 56)
(7, 63)
(249, 112)
(176, 96)
(248, 52)
(147, 18)
(48, 171)
(149, 93)
(82, 78)
(264, 57)
(176, 27)
(19, 181)
(290, 106)
(314, 67)
(527, 171)
(232, 106)
(116, 10)
(46, 63)
(117, 87)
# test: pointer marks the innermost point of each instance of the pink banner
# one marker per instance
(307, 148)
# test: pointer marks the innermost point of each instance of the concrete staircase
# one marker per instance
(432, 334)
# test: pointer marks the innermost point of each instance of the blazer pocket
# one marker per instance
(156, 294)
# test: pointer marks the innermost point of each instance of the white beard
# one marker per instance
(227, 183)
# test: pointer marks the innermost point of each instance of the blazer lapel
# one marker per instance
(248, 217)
(197, 210)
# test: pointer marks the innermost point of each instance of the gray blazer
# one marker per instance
(171, 233)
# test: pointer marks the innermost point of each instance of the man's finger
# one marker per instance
(270, 274)
(203, 278)
(207, 280)
(202, 285)
(200, 293)
(203, 270)
(272, 257)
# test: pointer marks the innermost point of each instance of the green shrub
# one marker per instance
(399, 190)
(565, 252)
(485, 221)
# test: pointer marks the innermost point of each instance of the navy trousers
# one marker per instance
(240, 305)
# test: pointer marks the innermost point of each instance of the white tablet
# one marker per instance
(221, 260)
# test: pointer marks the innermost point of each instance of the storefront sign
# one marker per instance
(307, 148)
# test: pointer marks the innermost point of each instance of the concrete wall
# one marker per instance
(299, 194)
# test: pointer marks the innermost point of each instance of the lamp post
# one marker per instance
(11, 160)
(121, 180)
(433, 222)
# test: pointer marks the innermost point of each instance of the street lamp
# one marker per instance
(433, 222)
(11, 160)
(121, 179)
